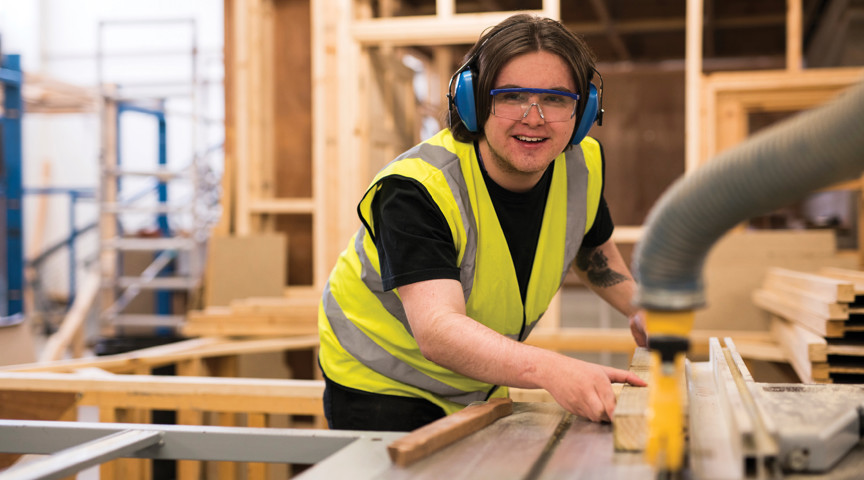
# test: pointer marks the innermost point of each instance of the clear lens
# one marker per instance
(515, 104)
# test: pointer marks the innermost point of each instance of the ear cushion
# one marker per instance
(592, 108)
(463, 95)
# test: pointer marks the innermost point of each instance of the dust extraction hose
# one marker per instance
(772, 169)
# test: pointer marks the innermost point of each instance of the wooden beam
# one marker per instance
(73, 322)
(819, 324)
(794, 35)
(231, 395)
(751, 344)
(169, 354)
(426, 29)
(282, 206)
(693, 85)
(802, 299)
(856, 277)
(829, 289)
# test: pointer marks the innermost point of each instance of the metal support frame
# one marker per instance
(11, 219)
(163, 297)
(73, 446)
(75, 194)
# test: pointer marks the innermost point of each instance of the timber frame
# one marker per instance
(347, 48)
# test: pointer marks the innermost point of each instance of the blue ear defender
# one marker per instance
(463, 95)
(593, 113)
(463, 101)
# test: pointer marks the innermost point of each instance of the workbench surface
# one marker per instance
(513, 447)
(526, 445)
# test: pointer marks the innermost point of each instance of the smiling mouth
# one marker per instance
(529, 139)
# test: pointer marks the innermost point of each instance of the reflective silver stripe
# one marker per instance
(577, 193)
(448, 163)
(577, 189)
(369, 353)
(529, 328)
(374, 283)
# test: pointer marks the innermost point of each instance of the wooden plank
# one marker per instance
(225, 226)
(805, 300)
(268, 326)
(803, 349)
(830, 289)
(174, 353)
(426, 29)
(819, 324)
(108, 226)
(430, 438)
(629, 422)
(190, 469)
(298, 307)
(847, 275)
(285, 396)
(27, 405)
(73, 322)
(851, 350)
(694, 78)
(282, 206)
(35, 241)
(751, 344)
(794, 36)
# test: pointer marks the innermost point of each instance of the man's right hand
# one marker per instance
(585, 389)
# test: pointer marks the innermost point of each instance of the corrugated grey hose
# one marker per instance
(770, 170)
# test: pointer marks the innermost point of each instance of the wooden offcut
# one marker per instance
(428, 439)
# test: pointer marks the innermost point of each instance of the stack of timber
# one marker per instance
(296, 314)
(818, 319)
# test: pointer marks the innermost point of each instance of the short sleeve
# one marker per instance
(413, 238)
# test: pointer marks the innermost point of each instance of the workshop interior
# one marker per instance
(178, 179)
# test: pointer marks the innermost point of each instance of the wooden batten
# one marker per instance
(828, 289)
(630, 424)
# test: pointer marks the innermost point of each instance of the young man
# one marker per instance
(467, 237)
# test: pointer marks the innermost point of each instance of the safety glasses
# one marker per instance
(516, 103)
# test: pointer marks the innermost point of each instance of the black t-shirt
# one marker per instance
(414, 241)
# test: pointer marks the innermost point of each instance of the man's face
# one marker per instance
(517, 152)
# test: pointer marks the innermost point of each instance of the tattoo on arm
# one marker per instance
(596, 267)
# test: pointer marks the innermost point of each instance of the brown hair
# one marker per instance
(516, 35)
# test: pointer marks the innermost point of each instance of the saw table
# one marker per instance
(738, 428)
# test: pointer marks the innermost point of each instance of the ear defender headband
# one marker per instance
(462, 99)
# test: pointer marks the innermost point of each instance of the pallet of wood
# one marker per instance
(818, 320)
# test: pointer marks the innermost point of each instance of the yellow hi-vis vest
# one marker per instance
(366, 340)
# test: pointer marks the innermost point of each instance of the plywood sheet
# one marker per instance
(241, 267)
